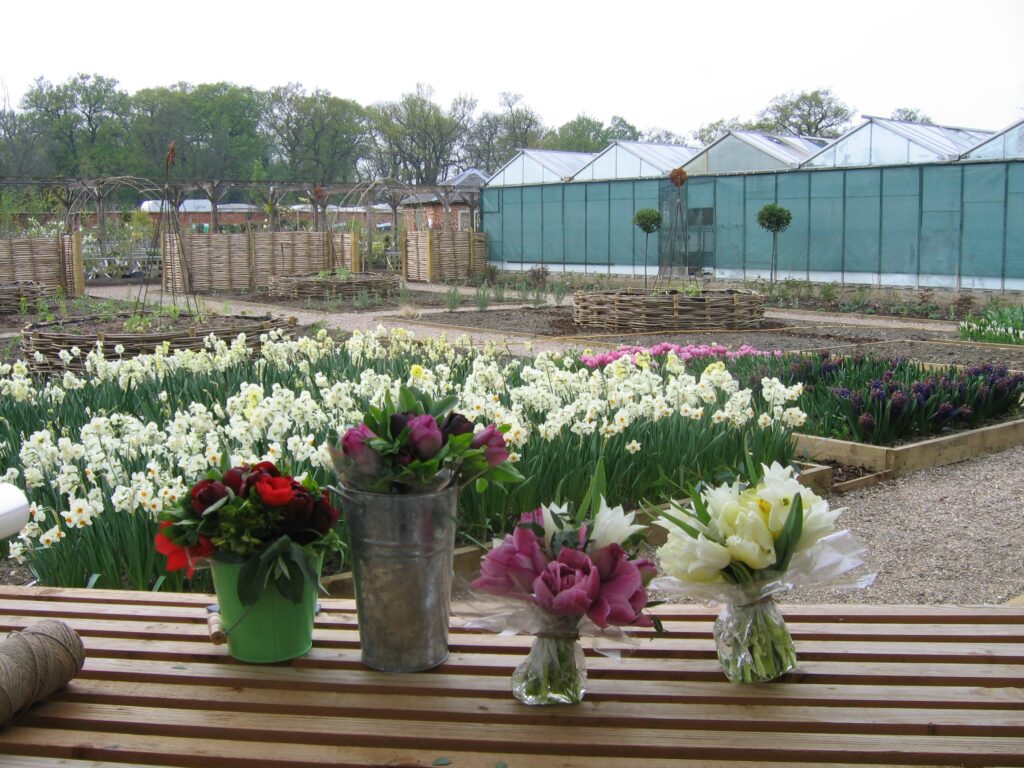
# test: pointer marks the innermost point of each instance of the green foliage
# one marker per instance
(996, 324)
(911, 115)
(362, 299)
(581, 134)
(648, 220)
(453, 298)
(483, 297)
(559, 290)
(774, 218)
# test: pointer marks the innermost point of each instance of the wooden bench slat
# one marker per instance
(808, 648)
(212, 753)
(505, 710)
(601, 689)
(435, 686)
(604, 741)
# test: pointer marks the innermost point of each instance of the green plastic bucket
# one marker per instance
(273, 628)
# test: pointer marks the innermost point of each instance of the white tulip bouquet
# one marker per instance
(740, 546)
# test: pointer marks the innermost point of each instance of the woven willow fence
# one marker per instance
(329, 287)
(52, 263)
(432, 257)
(12, 296)
(50, 338)
(637, 310)
(219, 262)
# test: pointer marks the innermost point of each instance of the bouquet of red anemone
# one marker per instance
(414, 444)
(277, 526)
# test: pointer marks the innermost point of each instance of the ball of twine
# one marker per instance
(35, 663)
(678, 176)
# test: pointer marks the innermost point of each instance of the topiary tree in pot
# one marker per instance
(648, 221)
(774, 218)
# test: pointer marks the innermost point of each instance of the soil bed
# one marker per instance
(419, 299)
(883, 341)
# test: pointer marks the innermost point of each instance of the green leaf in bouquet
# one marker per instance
(252, 580)
(408, 402)
(218, 504)
(678, 522)
(700, 507)
(536, 528)
(505, 473)
(591, 503)
(481, 485)
(791, 532)
(441, 407)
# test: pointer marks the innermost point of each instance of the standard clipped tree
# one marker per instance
(648, 221)
(774, 218)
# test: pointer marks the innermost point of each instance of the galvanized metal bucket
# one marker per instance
(402, 547)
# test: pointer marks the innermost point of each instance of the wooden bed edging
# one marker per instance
(934, 452)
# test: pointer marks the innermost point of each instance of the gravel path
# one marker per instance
(943, 535)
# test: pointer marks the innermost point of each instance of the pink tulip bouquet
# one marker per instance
(560, 575)
(417, 445)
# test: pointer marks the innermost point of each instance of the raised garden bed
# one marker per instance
(325, 288)
(12, 295)
(898, 460)
(185, 332)
(638, 310)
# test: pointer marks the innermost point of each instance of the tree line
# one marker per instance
(88, 126)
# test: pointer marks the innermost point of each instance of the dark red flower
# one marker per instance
(234, 479)
(205, 493)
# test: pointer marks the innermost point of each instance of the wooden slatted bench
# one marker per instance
(877, 685)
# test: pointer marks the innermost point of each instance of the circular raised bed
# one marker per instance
(639, 310)
(189, 333)
(312, 286)
(11, 295)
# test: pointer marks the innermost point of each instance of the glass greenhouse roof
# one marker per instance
(1007, 144)
(941, 139)
(539, 166)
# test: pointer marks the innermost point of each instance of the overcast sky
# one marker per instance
(672, 65)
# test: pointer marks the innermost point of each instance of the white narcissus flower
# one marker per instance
(633, 446)
(690, 559)
(612, 526)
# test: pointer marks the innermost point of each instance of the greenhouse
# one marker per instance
(1005, 145)
(944, 224)
(635, 160)
(539, 166)
(736, 151)
(879, 141)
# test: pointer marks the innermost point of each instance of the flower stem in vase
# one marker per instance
(553, 673)
(753, 642)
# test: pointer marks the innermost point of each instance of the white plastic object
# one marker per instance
(13, 510)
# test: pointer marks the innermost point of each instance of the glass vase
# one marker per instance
(753, 642)
(555, 670)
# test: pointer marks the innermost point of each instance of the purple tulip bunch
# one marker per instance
(415, 445)
(568, 577)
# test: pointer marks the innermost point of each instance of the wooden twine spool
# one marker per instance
(35, 663)
(216, 626)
